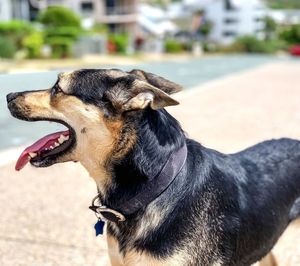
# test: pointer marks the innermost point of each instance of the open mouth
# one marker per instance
(47, 149)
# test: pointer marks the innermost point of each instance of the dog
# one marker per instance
(167, 199)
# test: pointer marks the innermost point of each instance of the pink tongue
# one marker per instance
(38, 147)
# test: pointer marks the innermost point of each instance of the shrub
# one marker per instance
(250, 44)
(206, 28)
(57, 16)
(61, 46)
(100, 28)
(62, 27)
(173, 46)
(290, 34)
(16, 31)
(33, 44)
(7, 48)
(119, 41)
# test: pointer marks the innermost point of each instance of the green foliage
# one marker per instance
(100, 28)
(57, 16)
(7, 48)
(206, 28)
(15, 31)
(173, 46)
(62, 27)
(290, 34)
(61, 42)
(270, 27)
(33, 44)
(284, 4)
(120, 41)
(250, 44)
(61, 46)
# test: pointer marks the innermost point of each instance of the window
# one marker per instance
(87, 7)
(228, 5)
(230, 20)
(229, 33)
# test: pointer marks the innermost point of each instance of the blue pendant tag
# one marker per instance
(99, 227)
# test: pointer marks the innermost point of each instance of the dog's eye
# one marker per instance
(55, 90)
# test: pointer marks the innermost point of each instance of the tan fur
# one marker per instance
(268, 260)
(65, 81)
(113, 252)
(94, 146)
(134, 258)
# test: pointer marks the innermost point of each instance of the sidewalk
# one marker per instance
(45, 218)
(35, 65)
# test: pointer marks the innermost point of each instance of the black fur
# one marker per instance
(221, 209)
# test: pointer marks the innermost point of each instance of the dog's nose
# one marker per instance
(12, 96)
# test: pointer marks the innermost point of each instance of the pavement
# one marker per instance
(88, 61)
(45, 218)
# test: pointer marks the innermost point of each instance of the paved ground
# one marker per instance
(45, 219)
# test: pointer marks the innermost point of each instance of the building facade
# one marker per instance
(14, 9)
(119, 15)
(232, 18)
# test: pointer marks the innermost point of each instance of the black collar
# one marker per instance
(154, 188)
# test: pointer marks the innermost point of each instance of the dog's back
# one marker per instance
(253, 190)
(268, 192)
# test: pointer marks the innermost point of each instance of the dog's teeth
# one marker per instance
(32, 154)
(51, 147)
(56, 144)
(61, 139)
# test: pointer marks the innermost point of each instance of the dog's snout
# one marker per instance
(11, 96)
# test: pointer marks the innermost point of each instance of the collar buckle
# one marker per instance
(106, 214)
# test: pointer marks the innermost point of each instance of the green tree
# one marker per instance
(284, 4)
(270, 28)
(15, 31)
(57, 16)
(7, 48)
(62, 27)
(290, 34)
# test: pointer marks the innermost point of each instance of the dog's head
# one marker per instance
(94, 106)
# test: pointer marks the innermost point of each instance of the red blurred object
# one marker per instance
(295, 50)
(111, 47)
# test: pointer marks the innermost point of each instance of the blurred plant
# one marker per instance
(15, 31)
(205, 28)
(62, 27)
(7, 48)
(250, 44)
(270, 27)
(290, 34)
(100, 28)
(33, 43)
(118, 43)
(58, 16)
(173, 46)
(284, 4)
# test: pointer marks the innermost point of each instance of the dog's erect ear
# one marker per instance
(165, 85)
(145, 95)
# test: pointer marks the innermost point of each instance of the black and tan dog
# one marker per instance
(169, 200)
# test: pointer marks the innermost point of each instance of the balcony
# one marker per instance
(119, 14)
(120, 10)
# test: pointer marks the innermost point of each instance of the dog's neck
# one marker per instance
(158, 135)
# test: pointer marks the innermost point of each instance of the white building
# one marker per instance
(285, 16)
(5, 10)
(231, 18)
(17, 9)
(119, 15)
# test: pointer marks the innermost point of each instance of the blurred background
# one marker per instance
(236, 59)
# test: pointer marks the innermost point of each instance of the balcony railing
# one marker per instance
(120, 10)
